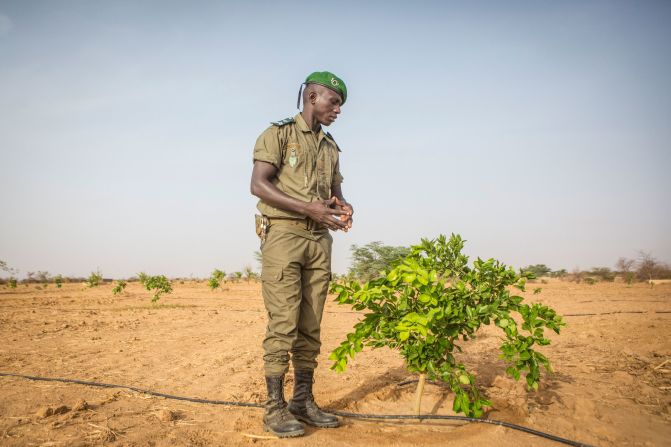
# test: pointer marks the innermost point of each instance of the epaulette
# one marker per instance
(334, 141)
(283, 122)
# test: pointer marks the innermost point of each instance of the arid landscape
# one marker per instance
(611, 385)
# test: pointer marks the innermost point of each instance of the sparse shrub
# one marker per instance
(94, 279)
(603, 274)
(561, 273)
(11, 281)
(248, 273)
(371, 259)
(431, 298)
(538, 270)
(577, 275)
(649, 268)
(58, 280)
(119, 288)
(216, 279)
(158, 285)
(43, 277)
(625, 267)
(589, 280)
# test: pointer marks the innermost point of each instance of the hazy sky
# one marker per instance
(538, 130)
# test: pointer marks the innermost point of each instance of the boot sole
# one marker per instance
(291, 434)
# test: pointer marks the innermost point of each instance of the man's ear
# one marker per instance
(313, 97)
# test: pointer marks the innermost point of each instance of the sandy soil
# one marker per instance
(611, 385)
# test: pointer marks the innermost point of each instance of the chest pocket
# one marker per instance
(326, 164)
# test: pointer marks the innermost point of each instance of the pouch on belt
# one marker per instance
(261, 226)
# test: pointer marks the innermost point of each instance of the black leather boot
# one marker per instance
(303, 404)
(277, 418)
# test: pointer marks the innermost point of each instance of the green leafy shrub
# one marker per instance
(94, 279)
(216, 278)
(58, 280)
(158, 285)
(119, 287)
(430, 301)
(11, 282)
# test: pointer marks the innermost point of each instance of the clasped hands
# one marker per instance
(334, 214)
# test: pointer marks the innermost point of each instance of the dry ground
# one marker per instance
(611, 385)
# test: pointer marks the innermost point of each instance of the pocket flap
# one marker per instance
(271, 274)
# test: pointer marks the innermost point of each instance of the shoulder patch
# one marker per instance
(283, 122)
(328, 134)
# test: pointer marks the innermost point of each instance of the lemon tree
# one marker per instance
(431, 301)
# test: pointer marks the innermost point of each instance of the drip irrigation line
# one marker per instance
(336, 412)
(133, 388)
(618, 312)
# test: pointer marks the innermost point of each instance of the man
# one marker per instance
(297, 178)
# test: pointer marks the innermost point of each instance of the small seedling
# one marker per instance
(249, 273)
(119, 287)
(158, 285)
(216, 278)
(94, 279)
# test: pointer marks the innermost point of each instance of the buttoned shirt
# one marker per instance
(307, 163)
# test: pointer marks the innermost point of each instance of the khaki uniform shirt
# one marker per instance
(307, 163)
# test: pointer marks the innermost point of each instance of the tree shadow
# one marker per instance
(372, 385)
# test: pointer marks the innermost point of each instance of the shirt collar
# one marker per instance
(302, 125)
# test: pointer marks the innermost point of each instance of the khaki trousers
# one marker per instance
(296, 270)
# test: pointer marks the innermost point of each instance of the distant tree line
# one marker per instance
(371, 259)
(642, 268)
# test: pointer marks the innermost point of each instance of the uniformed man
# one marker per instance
(297, 178)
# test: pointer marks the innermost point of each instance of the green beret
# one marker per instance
(329, 80)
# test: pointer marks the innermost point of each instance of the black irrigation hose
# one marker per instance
(338, 413)
(461, 418)
(132, 388)
(618, 312)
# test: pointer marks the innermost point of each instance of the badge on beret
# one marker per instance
(328, 80)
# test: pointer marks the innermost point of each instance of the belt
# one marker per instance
(304, 223)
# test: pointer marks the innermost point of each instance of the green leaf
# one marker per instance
(464, 379)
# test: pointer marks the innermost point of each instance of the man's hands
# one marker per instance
(344, 206)
(333, 213)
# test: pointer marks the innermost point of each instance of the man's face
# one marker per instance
(327, 105)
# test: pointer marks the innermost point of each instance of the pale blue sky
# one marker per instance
(540, 131)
